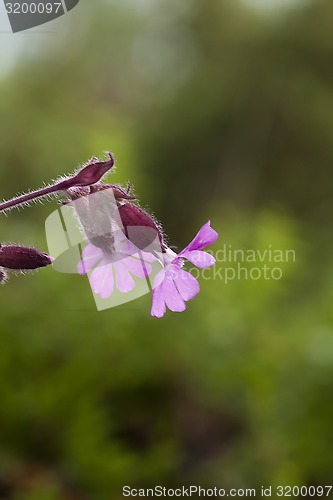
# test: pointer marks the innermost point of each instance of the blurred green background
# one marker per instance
(214, 109)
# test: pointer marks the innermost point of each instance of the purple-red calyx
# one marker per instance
(97, 215)
(90, 174)
(132, 217)
(20, 258)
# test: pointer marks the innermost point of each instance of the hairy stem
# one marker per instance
(91, 173)
(34, 195)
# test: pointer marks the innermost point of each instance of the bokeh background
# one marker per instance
(215, 109)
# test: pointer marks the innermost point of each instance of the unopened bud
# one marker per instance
(91, 173)
(23, 258)
(140, 228)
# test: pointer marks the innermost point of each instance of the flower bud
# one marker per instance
(22, 258)
(140, 228)
(90, 174)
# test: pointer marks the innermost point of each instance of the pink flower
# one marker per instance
(115, 269)
(173, 286)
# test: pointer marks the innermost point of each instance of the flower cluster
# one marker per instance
(124, 243)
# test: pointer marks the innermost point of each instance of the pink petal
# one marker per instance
(137, 267)
(124, 280)
(186, 284)
(101, 280)
(90, 250)
(159, 278)
(90, 256)
(171, 296)
(158, 307)
(149, 257)
(199, 258)
(127, 247)
(107, 289)
(205, 236)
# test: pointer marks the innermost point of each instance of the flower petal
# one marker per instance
(99, 279)
(126, 247)
(186, 284)
(205, 236)
(199, 258)
(148, 257)
(106, 289)
(171, 295)
(124, 281)
(90, 256)
(137, 267)
(158, 306)
(159, 278)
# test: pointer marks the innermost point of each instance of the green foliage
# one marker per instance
(236, 391)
